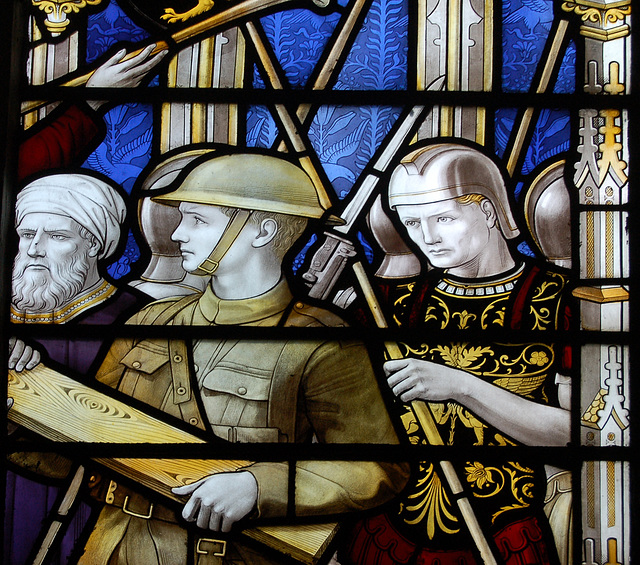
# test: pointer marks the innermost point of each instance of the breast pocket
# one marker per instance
(146, 357)
(238, 380)
(236, 398)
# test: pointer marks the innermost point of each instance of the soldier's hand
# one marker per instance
(21, 355)
(219, 501)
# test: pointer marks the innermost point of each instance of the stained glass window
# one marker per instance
(318, 281)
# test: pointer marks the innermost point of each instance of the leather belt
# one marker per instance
(209, 551)
(135, 504)
(212, 547)
(243, 434)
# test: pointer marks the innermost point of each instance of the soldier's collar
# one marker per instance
(248, 310)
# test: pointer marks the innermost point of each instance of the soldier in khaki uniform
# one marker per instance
(240, 214)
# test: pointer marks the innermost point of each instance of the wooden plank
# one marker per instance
(62, 409)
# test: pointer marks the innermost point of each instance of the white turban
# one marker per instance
(89, 201)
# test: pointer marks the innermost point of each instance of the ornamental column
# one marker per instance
(601, 179)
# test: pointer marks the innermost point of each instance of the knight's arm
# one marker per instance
(526, 421)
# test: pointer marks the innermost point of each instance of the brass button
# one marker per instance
(136, 364)
(242, 390)
(299, 305)
(177, 358)
(181, 390)
(193, 421)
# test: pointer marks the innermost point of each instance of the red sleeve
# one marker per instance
(567, 361)
(58, 143)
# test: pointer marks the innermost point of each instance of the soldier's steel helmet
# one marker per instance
(248, 181)
(448, 170)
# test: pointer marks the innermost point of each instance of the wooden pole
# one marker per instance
(525, 124)
(425, 418)
(188, 34)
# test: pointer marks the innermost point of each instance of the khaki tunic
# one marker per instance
(253, 391)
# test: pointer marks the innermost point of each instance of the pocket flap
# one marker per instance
(146, 357)
(239, 381)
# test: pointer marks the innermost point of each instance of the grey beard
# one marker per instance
(45, 291)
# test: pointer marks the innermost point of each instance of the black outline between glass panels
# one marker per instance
(570, 457)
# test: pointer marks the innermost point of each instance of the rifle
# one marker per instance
(331, 258)
(292, 126)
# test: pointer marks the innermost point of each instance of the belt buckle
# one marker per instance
(220, 553)
(132, 513)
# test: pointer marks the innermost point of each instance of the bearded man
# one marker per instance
(67, 224)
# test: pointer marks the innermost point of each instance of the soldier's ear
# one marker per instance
(267, 231)
(489, 211)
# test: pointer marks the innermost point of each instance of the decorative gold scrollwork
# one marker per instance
(599, 16)
(487, 482)
(56, 10)
(430, 505)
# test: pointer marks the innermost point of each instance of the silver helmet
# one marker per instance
(448, 170)
(164, 275)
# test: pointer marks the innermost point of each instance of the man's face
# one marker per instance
(450, 235)
(52, 262)
(199, 231)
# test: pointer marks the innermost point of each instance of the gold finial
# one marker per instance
(56, 10)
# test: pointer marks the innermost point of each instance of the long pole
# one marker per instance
(425, 418)
(186, 35)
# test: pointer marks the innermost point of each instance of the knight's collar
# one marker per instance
(490, 286)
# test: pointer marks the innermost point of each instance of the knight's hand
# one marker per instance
(21, 355)
(416, 379)
(219, 501)
(121, 71)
